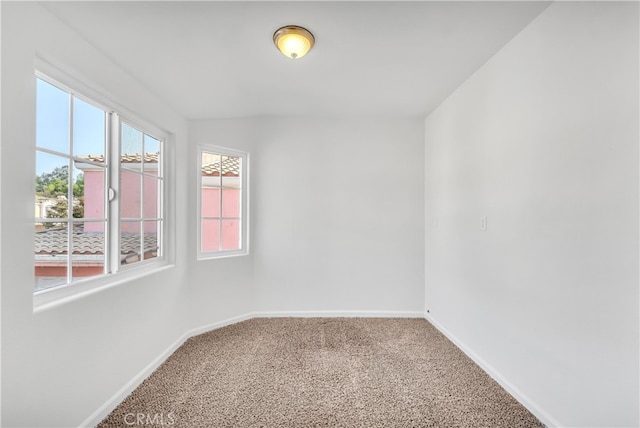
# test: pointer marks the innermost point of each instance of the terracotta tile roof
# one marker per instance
(230, 168)
(126, 158)
(130, 243)
(230, 165)
(54, 241)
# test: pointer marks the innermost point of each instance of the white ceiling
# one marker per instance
(217, 59)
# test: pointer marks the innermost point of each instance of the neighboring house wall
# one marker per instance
(93, 199)
(42, 206)
(210, 228)
(60, 270)
(130, 198)
(131, 195)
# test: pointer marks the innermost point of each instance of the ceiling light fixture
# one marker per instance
(293, 41)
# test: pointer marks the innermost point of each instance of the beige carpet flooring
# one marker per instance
(321, 372)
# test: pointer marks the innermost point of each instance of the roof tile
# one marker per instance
(54, 241)
(230, 165)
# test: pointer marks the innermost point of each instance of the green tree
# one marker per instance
(59, 210)
(57, 187)
(54, 183)
(78, 186)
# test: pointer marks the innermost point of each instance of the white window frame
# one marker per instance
(115, 204)
(115, 273)
(244, 203)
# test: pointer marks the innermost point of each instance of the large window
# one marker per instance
(98, 190)
(223, 202)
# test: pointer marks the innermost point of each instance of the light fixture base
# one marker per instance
(293, 41)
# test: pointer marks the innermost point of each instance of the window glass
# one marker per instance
(52, 117)
(70, 140)
(89, 126)
(141, 189)
(51, 254)
(221, 203)
(73, 175)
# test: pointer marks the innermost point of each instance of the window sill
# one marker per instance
(51, 298)
(221, 255)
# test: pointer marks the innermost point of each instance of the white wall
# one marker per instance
(543, 140)
(352, 241)
(337, 217)
(219, 289)
(61, 365)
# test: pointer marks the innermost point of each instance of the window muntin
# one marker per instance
(69, 241)
(222, 200)
(141, 184)
(81, 240)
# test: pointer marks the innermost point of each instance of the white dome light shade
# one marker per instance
(293, 41)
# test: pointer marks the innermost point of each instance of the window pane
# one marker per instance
(88, 191)
(88, 131)
(42, 207)
(87, 257)
(231, 186)
(230, 234)
(51, 255)
(77, 197)
(210, 235)
(151, 192)
(130, 242)
(231, 203)
(130, 147)
(210, 169)
(230, 172)
(151, 233)
(210, 201)
(52, 185)
(151, 154)
(52, 117)
(130, 184)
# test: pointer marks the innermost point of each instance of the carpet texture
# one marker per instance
(321, 372)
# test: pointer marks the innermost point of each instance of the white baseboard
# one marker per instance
(339, 314)
(119, 396)
(216, 325)
(127, 389)
(529, 404)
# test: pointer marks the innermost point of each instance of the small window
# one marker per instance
(98, 189)
(222, 203)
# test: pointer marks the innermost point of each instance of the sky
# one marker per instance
(53, 111)
(53, 130)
